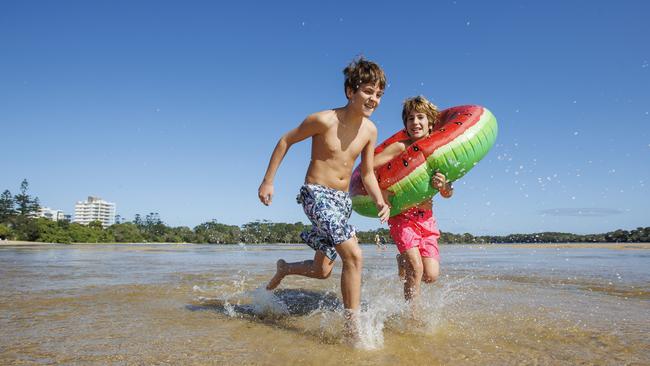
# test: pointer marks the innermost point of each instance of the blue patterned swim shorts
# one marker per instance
(329, 211)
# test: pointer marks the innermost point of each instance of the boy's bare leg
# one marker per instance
(352, 259)
(320, 267)
(414, 269)
(401, 271)
(431, 270)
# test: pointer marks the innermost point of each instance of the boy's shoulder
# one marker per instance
(329, 118)
(370, 125)
(324, 119)
(325, 116)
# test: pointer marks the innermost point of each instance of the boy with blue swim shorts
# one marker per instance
(329, 211)
(338, 137)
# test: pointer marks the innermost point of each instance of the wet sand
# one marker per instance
(200, 305)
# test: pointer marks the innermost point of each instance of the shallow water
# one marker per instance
(201, 304)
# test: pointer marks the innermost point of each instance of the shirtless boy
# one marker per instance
(338, 136)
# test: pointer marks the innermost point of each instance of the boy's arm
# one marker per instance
(311, 126)
(440, 182)
(388, 154)
(368, 177)
(384, 157)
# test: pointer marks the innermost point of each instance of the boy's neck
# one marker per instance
(348, 116)
(412, 140)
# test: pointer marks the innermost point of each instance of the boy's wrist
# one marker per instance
(447, 189)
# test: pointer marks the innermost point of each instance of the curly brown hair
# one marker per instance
(361, 71)
(420, 104)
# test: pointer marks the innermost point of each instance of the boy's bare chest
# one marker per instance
(338, 141)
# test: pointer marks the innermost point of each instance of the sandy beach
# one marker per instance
(204, 304)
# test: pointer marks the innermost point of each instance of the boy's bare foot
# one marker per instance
(279, 274)
(351, 335)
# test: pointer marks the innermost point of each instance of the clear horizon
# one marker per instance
(175, 108)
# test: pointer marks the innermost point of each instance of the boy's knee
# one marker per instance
(353, 258)
(324, 273)
(429, 278)
(356, 258)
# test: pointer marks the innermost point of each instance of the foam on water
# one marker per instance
(265, 303)
(383, 308)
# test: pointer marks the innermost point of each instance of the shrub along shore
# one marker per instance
(17, 223)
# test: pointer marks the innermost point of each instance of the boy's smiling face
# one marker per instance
(366, 99)
(417, 125)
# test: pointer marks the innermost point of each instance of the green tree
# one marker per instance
(96, 224)
(5, 232)
(138, 220)
(154, 228)
(216, 233)
(51, 232)
(126, 233)
(26, 229)
(25, 204)
(182, 234)
(7, 210)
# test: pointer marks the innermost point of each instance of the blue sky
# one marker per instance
(175, 107)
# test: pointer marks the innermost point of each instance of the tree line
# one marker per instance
(18, 222)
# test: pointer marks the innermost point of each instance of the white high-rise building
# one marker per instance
(93, 209)
(48, 213)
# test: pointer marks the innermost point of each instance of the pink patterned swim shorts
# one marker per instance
(416, 228)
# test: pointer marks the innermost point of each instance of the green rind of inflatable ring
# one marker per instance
(454, 160)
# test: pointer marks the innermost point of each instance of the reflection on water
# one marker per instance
(193, 304)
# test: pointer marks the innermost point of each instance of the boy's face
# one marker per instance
(366, 99)
(417, 125)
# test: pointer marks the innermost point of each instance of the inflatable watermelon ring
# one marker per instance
(459, 141)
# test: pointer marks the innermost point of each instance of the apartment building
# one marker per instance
(52, 214)
(93, 209)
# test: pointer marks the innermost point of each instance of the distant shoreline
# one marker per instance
(567, 245)
(620, 246)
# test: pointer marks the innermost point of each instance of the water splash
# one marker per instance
(321, 314)
(265, 303)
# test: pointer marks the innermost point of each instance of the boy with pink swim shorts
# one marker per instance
(415, 231)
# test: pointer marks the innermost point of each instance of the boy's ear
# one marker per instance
(348, 92)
